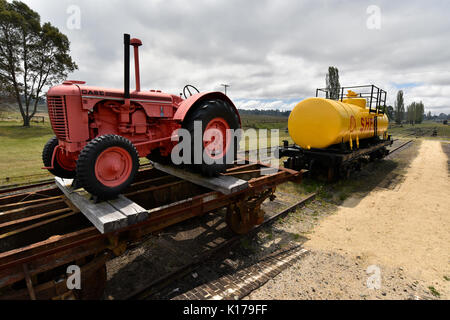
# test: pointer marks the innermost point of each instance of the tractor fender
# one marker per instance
(52, 161)
(190, 103)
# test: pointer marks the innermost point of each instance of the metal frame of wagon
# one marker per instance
(90, 249)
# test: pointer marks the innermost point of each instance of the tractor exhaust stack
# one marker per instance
(136, 43)
(126, 80)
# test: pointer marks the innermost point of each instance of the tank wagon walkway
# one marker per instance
(406, 229)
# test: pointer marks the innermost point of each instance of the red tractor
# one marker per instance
(101, 133)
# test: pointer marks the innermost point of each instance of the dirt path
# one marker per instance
(408, 227)
(404, 232)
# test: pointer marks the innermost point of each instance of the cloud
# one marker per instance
(273, 52)
(262, 104)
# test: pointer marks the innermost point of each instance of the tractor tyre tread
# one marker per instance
(47, 154)
(210, 109)
(86, 165)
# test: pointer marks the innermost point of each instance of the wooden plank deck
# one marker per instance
(223, 183)
(106, 216)
(112, 215)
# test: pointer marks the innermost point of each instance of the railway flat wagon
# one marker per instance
(42, 233)
(339, 132)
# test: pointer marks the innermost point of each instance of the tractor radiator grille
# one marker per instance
(57, 113)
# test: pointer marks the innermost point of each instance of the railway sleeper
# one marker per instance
(53, 284)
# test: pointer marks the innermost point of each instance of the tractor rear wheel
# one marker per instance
(107, 165)
(217, 117)
(62, 167)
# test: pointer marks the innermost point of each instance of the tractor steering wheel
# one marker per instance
(186, 87)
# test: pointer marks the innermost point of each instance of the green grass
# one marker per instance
(245, 244)
(408, 130)
(296, 236)
(264, 122)
(21, 148)
(338, 191)
(434, 292)
(20, 152)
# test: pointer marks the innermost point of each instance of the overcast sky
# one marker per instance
(272, 53)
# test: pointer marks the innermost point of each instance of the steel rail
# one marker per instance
(25, 212)
(397, 148)
(9, 189)
(163, 281)
(158, 284)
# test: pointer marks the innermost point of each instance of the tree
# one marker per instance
(420, 109)
(31, 55)
(6, 92)
(332, 81)
(415, 112)
(411, 113)
(390, 112)
(429, 116)
(399, 107)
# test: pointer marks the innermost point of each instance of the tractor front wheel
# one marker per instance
(107, 165)
(62, 167)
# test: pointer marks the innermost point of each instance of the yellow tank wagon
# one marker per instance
(338, 133)
(320, 123)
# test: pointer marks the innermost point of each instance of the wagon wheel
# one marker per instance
(93, 285)
(374, 155)
(332, 172)
(344, 172)
(239, 219)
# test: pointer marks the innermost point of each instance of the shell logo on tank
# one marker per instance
(366, 124)
(352, 125)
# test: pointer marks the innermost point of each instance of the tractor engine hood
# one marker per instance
(77, 87)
